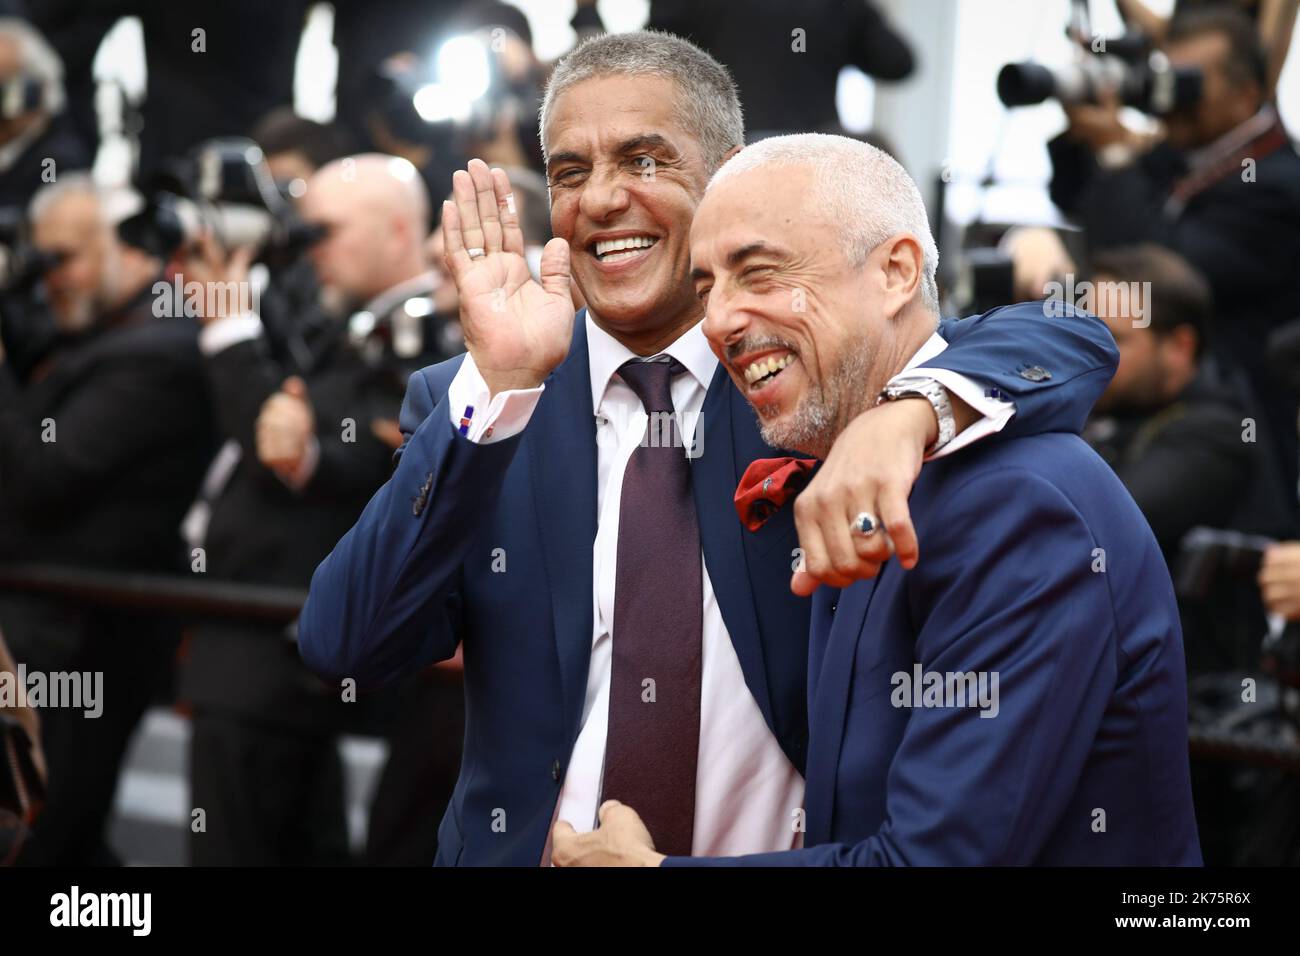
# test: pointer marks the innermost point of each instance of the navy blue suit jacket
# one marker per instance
(1036, 566)
(490, 547)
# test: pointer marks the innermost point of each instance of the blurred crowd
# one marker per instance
(1187, 223)
(201, 372)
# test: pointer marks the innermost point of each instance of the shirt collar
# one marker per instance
(931, 347)
(605, 354)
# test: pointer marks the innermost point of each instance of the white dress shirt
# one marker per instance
(748, 795)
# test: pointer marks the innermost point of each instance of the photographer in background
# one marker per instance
(1276, 19)
(1222, 189)
(37, 141)
(101, 449)
(290, 308)
(307, 447)
(1181, 435)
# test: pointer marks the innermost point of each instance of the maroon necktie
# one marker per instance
(654, 691)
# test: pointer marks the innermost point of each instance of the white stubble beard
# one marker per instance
(827, 408)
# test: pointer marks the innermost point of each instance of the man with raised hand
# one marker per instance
(528, 523)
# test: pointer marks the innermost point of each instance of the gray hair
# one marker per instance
(39, 61)
(68, 184)
(859, 186)
(707, 102)
(116, 203)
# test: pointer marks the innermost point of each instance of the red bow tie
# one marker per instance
(767, 485)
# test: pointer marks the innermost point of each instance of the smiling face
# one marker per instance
(797, 326)
(807, 335)
(625, 182)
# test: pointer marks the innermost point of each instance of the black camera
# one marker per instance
(1141, 77)
(224, 187)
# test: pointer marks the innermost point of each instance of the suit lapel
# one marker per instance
(561, 442)
(714, 478)
(828, 706)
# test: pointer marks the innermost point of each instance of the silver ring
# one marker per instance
(865, 524)
(475, 253)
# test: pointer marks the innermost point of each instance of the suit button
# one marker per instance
(1035, 373)
(555, 770)
(833, 607)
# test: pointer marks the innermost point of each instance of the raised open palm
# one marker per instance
(517, 329)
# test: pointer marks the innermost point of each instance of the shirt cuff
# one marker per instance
(484, 418)
(994, 412)
(220, 334)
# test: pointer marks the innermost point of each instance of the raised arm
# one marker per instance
(387, 599)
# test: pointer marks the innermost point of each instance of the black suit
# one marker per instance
(1186, 464)
(1200, 433)
(132, 434)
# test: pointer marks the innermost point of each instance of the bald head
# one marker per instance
(862, 191)
(376, 211)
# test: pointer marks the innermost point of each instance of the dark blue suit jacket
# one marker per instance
(1036, 566)
(415, 576)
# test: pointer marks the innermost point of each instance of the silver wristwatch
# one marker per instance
(919, 386)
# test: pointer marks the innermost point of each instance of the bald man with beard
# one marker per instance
(305, 449)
